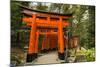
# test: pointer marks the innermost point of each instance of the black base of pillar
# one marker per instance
(31, 57)
(61, 56)
(44, 51)
(54, 49)
(64, 48)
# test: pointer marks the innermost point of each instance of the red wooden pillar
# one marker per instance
(36, 44)
(43, 43)
(47, 41)
(58, 42)
(31, 51)
(47, 36)
(61, 39)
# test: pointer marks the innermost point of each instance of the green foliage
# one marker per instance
(15, 15)
(16, 23)
(90, 54)
(17, 58)
(40, 6)
(24, 24)
(40, 40)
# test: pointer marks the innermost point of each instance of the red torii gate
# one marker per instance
(45, 23)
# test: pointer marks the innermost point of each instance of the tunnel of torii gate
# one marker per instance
(45, 23)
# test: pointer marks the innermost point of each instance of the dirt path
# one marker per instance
(49, 58)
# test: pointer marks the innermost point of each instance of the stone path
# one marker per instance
(49, 58)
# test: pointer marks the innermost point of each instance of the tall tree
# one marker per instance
(16, 17)
(41, 6)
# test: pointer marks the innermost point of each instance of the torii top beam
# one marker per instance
(45, 19)
(30, 11)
